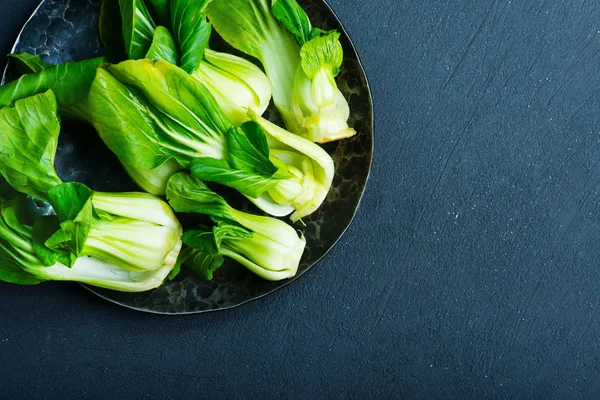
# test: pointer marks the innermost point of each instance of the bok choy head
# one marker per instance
(266, 246)
(20, 264)
(301, 62)
(150, 113)
(134, 231)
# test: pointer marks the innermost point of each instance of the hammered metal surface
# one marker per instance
(66, 30)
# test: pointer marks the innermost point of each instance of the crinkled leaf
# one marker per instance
(176, 93)
(188, 194)
(73, 204)
(202, 264)
(294, 18)
(43, 229)
(30, 132)
(150, 112)
(29, 63)
(249, 150)
(225, 230)
(70, 83)
(138, 28)
(219, 171)
(322, 52)
(201, 239)
(163, 46)
(16, 252)
(69, 199)
(124, 122)
(161, 11)
(203, 254)
(192, 31)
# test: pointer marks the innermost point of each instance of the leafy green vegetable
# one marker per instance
(153, 181)
(236, 84)
(164, 115)
(29, 63)
(19, 263)
(161, 11)
(138, 28)
(322, 53)
(29, 139)
(110, 26)
(266, 246)
(134, 231)
(293, 18)
(149, 113)
(15, 244)
(285, 42)
(43, 229)
(192, 31)
(163, 46)
(303, 158)
(70, 83)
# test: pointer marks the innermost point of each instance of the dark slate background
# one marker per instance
(470, 271)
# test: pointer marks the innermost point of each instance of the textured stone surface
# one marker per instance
(470, 271)
(66, 30)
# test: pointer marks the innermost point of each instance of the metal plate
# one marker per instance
(66, 30)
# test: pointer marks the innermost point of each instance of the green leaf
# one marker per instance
(192, 31)
(124, 122)
(187, 194)
(110, 26)
(43, 229)
(11, 271)
(323, 52)
(150, 112)
(161, 11)
(6, 191)
(202, 264)
(315, 163)
(249, 150)
(16, 252)
(138, 28)
(225, 230)
(240, 23)
(69, 199)
(219, 171)
(294, 18)
(175, 93)
(70, 83)
(153, 111)
(203, 255)
(73, 204)
(28, 147)
(29, 63)
(181, 258)
(163, 46)
(201, 239)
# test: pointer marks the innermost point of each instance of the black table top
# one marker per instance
(470, 271)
